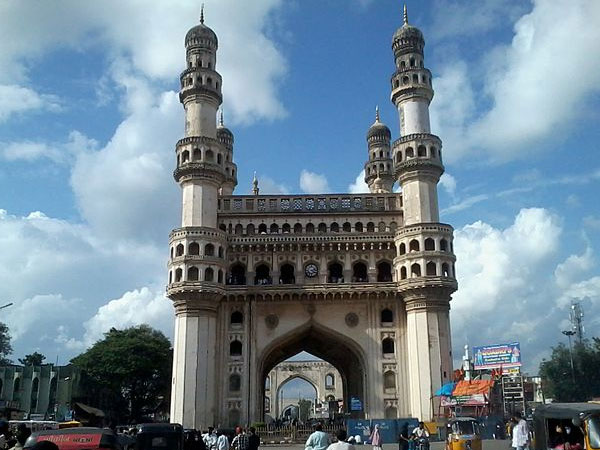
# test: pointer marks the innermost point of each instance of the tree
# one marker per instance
(129, 370)
(304, 407)
(5, 345)
(563, 385)
(33, 359)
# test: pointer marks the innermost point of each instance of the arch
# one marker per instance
(410, 153)
(286, 228)
(342, 352)
(414, 245)
(52, 391)
(347, 227)
(387, 316)
(433, 152)
(359, 273)
(220, 276)
(274, 228)
(239, 229)
(263, 275)
(250, 229)
(185, 156)
(267, 405)
(235, 382)
(443, 245)
(415, 270)
(262, 228)
(393, 227)
(402, 248)
(387, 346)
(220, 252)
(403, 275)
(430, 269)
(194, 248)
(381, 227)
(17, 385)
(209, 274)
(402, 64)
(445, 270)
(235, 348)
(298, 228)
(389, 380)
(209, 250)
(223, 227)
(179, 250)
(193, 274)
(219, 158)
(329, 380)
(384, 272)
(237, 275)
(429, 244)
(170, 277)
(415, 78)
(35, 388)
(405, 79)
(370, 227)
(172, 252)
(399, 157)
(210, 155)
(334, 227)
(236, 318)
(196, 154)
(412, 62)
(358, 226)
(335, 273)
(287, 274)
(178, 274)
(322, 227)
(421, 151)
(310, 227)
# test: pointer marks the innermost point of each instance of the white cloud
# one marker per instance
(18, 99)
(359, 186)
(62, 153)
(448, 182)
(574, 268)
(466, 203)
(269, 186)
(313, 183)
(531, 99)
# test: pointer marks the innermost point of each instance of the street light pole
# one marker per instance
(570, 333)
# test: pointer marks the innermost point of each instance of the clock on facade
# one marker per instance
(311, 270)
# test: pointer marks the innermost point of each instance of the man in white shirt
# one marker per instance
(520, 432)
(420, 431)
(341, 444)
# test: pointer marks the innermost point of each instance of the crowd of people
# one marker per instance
(218, 440)
(13, 439)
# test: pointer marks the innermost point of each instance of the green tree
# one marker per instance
(129, 370)
(5, 345)
(304, 408)
(33, 359)
(581, 384)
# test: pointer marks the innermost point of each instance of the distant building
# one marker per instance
(44, 391)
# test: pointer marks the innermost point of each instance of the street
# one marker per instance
(487, 445)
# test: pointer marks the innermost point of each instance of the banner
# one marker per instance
(497, 356)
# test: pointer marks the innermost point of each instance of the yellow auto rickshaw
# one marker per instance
(566, 426)
(463, 434)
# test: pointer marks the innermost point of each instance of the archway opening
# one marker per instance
(327, 345)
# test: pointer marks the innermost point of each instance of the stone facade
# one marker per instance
(362, 281)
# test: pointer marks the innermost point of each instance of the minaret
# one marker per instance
(198, 248)
(424, 264)
(255, 188)
(379, 171)
(225, 137)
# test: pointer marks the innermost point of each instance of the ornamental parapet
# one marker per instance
(418, 165)
(417, 137)
(191, 259)
(197, 140)
(196, 232)
(205, 91)
(312, 204)
(411, 91)
(425, 228)
(426, 286)
(425, 254)
(199, 171)
(195, 290)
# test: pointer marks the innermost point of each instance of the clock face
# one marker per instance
(311, 270)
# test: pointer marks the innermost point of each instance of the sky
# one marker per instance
(89, 116)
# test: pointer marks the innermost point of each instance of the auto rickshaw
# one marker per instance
(564, 426)
(159, 436)
(81, 438)
(463, 434)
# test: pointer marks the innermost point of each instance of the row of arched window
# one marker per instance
(287, 273)
(193, 249)
(412, 62)
(199, 63)
(204, 81)
(378, 167)
(431, 270)
(429, 246)
(309, 228)
(195, 274)
(382, 154)
(409, 153)
(196, 155)
(424, 79)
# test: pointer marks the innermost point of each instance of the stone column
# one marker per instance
(193, 397)
(428, 345)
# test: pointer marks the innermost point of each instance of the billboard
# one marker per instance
(497, 356)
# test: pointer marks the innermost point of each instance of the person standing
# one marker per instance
(318, 440)
(375, 438)
(222, 441)
(341, 443)
(240, 441)
(210, 439)
(520, 432)
(253, 439)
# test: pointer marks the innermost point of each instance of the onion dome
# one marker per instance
(224, 134)
(408, 32)
(378, 128)
(201, 34)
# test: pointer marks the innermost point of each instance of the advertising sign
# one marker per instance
(355, 404)
(497, 356)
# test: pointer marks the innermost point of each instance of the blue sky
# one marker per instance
(89, 117)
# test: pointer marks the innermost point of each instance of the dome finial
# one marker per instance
(405, 15)
(255, 189)
(202, 13)
(377, 113)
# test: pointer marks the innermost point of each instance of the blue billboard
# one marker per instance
(497, 356)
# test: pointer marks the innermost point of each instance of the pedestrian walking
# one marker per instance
(253, 439)
(375, 438)
(240, 441)
(520, 432)
(318, 440)
(222, 441)
(210, 439)
(341, 443)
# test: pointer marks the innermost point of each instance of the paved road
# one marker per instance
(487, 445)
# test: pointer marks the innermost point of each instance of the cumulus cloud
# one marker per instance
(62, 152)
(268, 185)
(359, 186)
(313, 183)
(531, 100)
(448, 182)
(18, 99)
